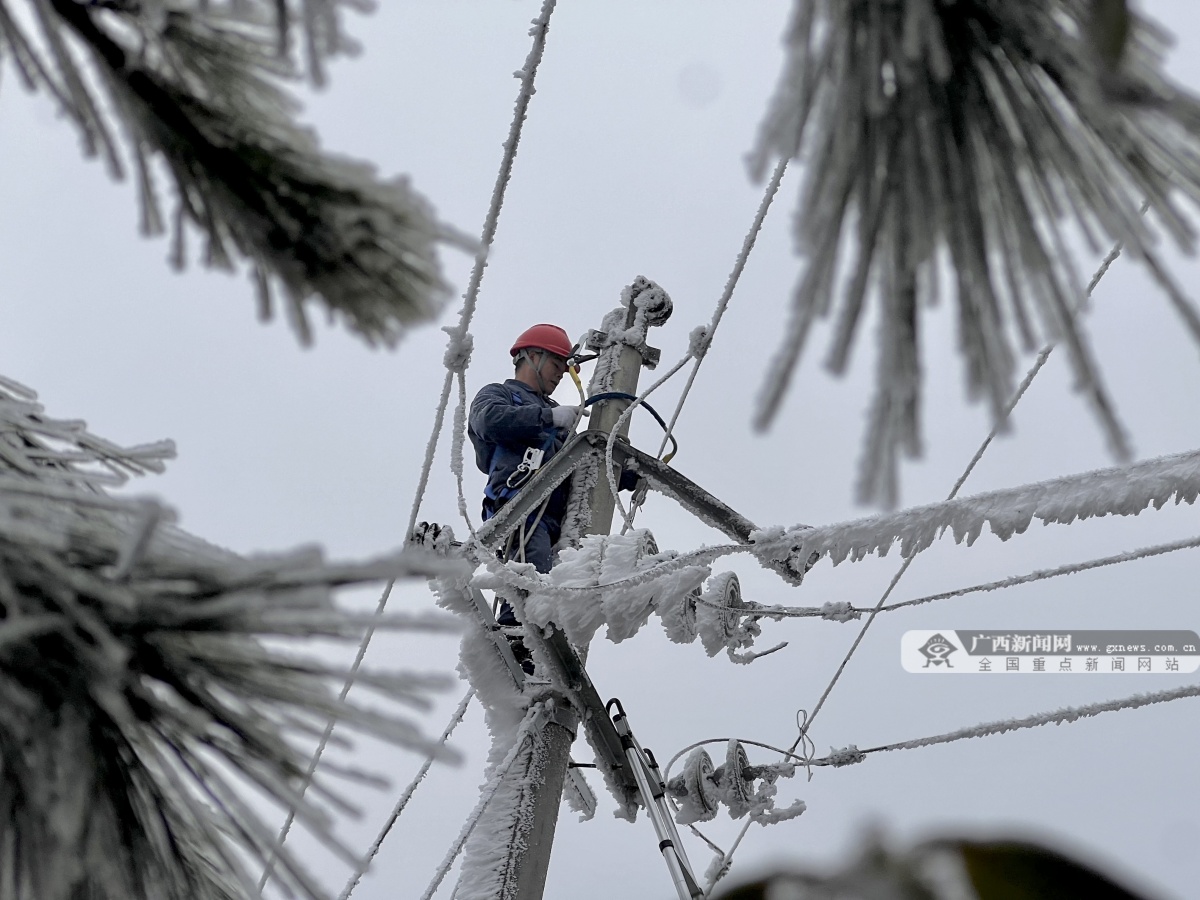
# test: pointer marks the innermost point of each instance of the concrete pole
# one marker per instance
(550, 753)
(604, 418)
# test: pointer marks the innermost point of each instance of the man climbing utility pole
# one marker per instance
(530, 819)
(617, 369)
(514, 428)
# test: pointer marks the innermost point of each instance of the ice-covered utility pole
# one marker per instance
(621, 344)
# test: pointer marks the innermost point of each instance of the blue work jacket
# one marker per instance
(505, 420)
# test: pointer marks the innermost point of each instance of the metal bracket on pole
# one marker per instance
(590, 445)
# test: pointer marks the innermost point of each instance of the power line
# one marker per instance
(455, 719)
(534, 718)
(1063, 716)
(1042, 574)
(1105, 264)
(1037, 366)
(730, 284)
(458, 350)
(457, 358)
(841, 612)
(1042, 357)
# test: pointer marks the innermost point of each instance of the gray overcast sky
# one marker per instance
(631, 163)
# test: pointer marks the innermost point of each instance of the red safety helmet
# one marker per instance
(543, 337)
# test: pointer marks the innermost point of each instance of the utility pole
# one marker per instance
(508, 856)
(618, 367)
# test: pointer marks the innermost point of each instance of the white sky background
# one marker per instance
(631, 163)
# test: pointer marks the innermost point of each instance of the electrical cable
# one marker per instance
(524, 734)
(626, 413)
(730, 284)
(457, 358)
(839, 613)
(639, 401)
(1105, 264)
(1062, 716)
(1037, 366)
(702, 342)
(1042, 574)
(366, 861)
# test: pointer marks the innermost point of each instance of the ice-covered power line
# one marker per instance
(846, 612)
(458, 350)
(534, 719)
(457, 356)
(405, 796)
(1120, 490)
(998, 425)
(1066, 715)
(1043, 574)
(1002, 422)
(731, 283)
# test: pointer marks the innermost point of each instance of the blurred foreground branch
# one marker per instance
(139, 704)
(962, 146)
(194, 90)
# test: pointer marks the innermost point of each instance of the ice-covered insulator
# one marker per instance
(734, 780)
(679, 621)
(695, 789)
(647, 546)
(432, 537)
(719, 612)
(654, 302)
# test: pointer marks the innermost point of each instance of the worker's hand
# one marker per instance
(564, 416)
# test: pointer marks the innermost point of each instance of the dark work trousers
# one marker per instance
(537, 552)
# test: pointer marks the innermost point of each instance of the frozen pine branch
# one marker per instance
(194, 91)
(958, 147)
(60, 453)
(140, 706)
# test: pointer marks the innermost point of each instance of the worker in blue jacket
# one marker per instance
(511, 418)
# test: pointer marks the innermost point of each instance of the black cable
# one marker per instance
(620, 395)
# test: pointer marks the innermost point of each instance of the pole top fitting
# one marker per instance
(647, 299)
(643, 305)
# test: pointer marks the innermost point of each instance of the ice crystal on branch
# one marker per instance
(194, 90)
(981, 134)
(138, 701)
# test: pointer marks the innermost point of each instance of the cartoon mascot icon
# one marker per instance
(937, 651)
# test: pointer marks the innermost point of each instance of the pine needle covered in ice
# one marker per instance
(139, 706)
(960, 146)
(194, 90)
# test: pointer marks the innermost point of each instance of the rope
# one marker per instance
(1001, 420)
(457, 358)
(532, 717)
(730, 284)
(455, 719)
